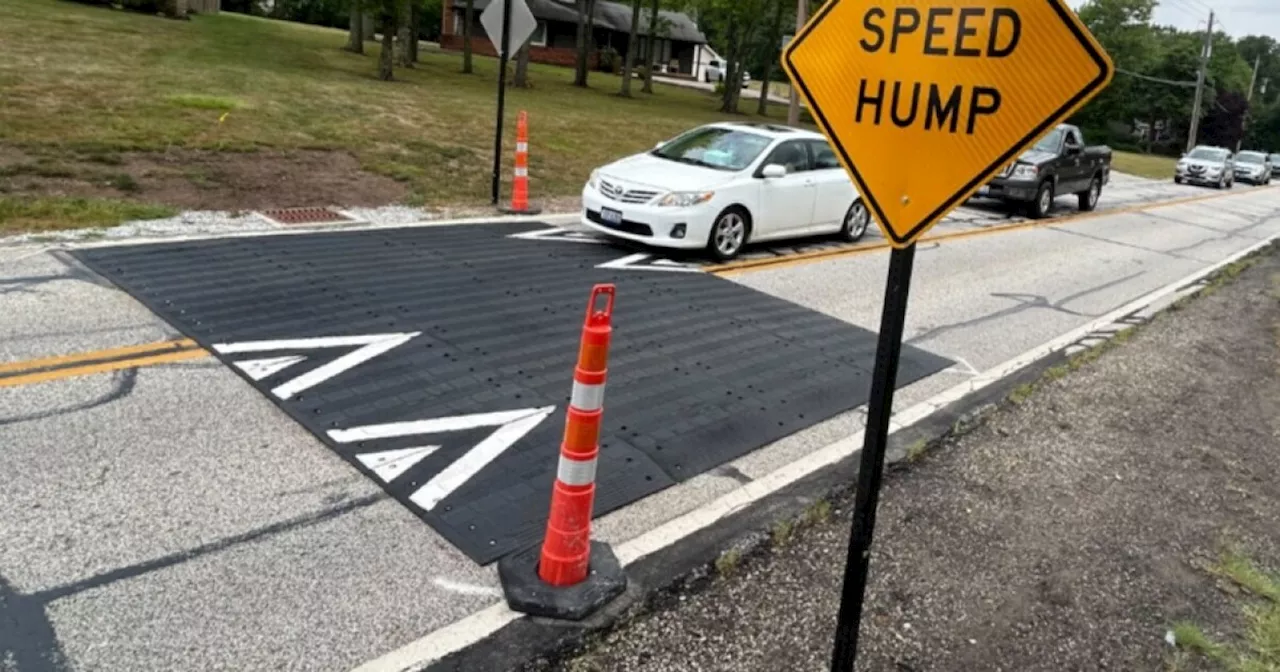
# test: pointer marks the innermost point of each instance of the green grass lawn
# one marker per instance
(82, 81)
(1144, 165)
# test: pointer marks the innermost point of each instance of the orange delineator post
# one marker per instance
(520, 185)
(566, 549)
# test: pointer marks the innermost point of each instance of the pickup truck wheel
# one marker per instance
(1043, 203)
(1089, 197)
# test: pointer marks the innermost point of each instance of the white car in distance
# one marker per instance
(721, 186)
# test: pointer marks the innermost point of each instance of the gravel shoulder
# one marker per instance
(1070, 531)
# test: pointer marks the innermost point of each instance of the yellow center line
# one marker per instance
(87, 363)
(748, 265)
(96, 355)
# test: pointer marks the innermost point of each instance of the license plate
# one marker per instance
(611, 216)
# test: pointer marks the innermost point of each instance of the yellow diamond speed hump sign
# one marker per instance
(925, 100)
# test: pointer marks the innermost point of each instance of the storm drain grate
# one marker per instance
(293, 216)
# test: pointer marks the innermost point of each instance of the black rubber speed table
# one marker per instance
(438, 360)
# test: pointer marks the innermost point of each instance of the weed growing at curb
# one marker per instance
(781, 533)
(917, 450)
(727, 563)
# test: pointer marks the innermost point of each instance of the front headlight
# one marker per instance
(594, 180)
(1182, 165)
(684, 199)
(1025, 172)
(1214, 170)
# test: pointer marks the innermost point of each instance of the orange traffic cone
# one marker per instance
(566, 550)
(520, 181)
(569, 576)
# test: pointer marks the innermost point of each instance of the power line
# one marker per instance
(1158, 80)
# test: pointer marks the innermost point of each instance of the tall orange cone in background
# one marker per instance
(520, 180)
(569, 576)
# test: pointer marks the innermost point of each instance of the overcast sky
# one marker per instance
(1238, 17)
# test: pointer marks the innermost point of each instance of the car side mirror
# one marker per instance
(1072, 150)
(774, 170)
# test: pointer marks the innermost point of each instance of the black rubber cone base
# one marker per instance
(528, 594)
(531, 210)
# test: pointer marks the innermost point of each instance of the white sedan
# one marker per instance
(722, 186)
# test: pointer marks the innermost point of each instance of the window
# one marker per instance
(1251, 157)
(1209, 154)
(824, 158)
(1051, 142)
(539, 37)
(715, 147)
(792, 155)
(1072, 139)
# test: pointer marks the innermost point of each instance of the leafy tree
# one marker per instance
(1224, 123)
(1123, 27)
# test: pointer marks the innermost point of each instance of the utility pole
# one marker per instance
(1248, 110)
(793, 111)
(1205, 53)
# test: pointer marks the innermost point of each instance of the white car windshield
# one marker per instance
(1251, 157)
(1208, 154)
(715, 147)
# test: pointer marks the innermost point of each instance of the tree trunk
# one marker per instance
(468, 17)
(633, 45)
(415, 24)
(355, 32)
(403, 37)
(732, 76)
(649, 45)
(387, 24)
(585, 38)
(522, 67)
(774, 37)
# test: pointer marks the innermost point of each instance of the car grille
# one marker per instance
(621, 194)
(627, 226)
(1196, 170)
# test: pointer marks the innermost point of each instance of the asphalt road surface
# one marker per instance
(161, 513)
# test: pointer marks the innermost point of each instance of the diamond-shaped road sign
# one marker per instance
(522, 25)
(925, 100)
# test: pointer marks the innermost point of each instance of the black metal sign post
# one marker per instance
(871, 467)
(503, 56)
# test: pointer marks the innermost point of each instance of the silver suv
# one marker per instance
(1213, 166)
(1253, 167)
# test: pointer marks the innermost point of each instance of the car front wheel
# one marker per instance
(856, 222)
(728, 234)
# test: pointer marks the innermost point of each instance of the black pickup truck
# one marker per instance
(1059, 164)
